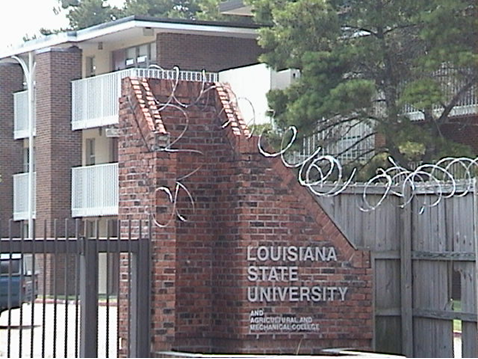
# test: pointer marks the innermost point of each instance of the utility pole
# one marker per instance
(29, 71)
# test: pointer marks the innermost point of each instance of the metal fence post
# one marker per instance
(140, 342)
(89, 299)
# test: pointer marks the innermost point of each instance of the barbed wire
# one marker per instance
(323, 175)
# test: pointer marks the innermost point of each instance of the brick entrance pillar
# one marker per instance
(244, 259)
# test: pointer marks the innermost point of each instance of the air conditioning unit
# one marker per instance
(112, 132)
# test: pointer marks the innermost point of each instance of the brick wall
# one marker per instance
(58, 148)
(210, 53)
(11, 80)
(243, 201)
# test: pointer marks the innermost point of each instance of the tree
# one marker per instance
(209, 10)
(85, 13)
(162, 8)
(363, 62)
(186, 9)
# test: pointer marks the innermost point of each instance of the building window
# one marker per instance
(130, 57)
(135, 56)
(90, 158)
(90, 66)
(26, 159)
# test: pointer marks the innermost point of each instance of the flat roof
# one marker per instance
(132, 26)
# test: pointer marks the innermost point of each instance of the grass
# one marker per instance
(456, 326)
(456, 322)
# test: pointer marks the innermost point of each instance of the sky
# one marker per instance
(26, 17)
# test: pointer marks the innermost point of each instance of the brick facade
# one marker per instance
(203, 293)
(11, 76)
(210, 53)
(58, 148)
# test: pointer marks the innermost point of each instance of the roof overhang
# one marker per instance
(133, 26)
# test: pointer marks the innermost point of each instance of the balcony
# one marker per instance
(95, 190)
(20, 196)
(21, 122)
(465, 108)
(95, 99)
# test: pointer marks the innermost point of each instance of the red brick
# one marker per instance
(241, 199)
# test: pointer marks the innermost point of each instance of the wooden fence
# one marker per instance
(424, 268)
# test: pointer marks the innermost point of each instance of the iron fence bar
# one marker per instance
(97, 236)
(118, 283)
(20, 296)
(134, 303)
(9, 299)
(89, 299)
(129, 288)
(65, 287)
(33, 296)
(14, 245)
(44, 291)
(55, 290)
(107, 342)
(29, 245)
(77, 287)
(140, 334)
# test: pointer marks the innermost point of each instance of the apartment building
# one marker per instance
(59, 109)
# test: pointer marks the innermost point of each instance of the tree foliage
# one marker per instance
(365, 61)
(85, 13)
(162, 8)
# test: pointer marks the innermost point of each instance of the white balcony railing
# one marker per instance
(21, 122)
(20, 196)
(355, 142)
(95, 99)
(94, 190)
(451, 85)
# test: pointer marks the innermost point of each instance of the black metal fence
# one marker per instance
(75, 296)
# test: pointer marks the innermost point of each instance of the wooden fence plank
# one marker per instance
(406, 288)
(469, 333)
(443, 239)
